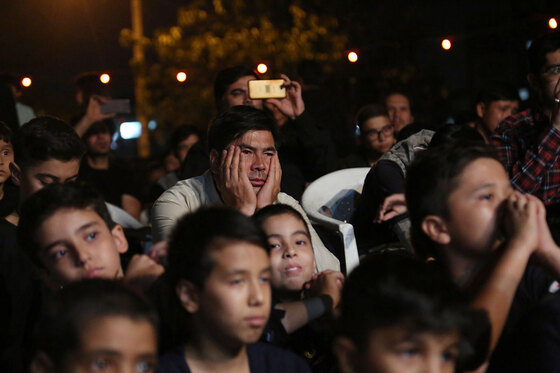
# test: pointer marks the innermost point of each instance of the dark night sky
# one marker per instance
(54, 40)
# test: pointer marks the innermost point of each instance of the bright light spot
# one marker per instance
(152, 125)
(352, 57)
(26, 82)
(130, 130)
(523, 94)
(105, 78)
(446, 44)
(262, 68)
(181, 76)
(552, 23)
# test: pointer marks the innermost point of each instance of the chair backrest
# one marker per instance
(329, 201)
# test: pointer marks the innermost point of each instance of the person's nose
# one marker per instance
(256, 293)
(82, 254)
(258, 162)
(289, 251)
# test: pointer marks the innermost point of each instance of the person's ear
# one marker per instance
(41, 363)
(480, 109)
(436, 229)
(16, 173)
(119, 238)
(346, 353)
(214, 161)
(189, 296)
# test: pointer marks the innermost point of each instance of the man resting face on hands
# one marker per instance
(247, 173)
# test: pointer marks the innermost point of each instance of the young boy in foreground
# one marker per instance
(220, 270)
(465, 214)
(69, 235)
(402, 315)
(97, 326)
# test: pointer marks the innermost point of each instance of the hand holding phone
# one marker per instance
(264, 89)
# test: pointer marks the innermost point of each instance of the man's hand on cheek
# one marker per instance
(233, 183)
(269, 191)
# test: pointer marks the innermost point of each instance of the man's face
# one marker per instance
(99, 143)
(291, 253)
(6, 157)
(496, 112)
(475, 218)
(549, 79)
(76, 244)
(234, 305)
(35, 178)
(395, 349)
(116, 344)
(257, 150)
(184, 146)
(398, 108)
(238, 94)
(378, 134)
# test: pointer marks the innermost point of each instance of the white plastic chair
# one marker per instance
(328, 201)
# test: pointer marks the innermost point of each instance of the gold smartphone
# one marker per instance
(262, 89)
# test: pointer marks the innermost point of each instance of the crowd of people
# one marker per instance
(211, 264)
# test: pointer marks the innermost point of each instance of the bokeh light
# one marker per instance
(352, 57)
(105, 78)
(26, 82)
(446, 44)
(181, 76)
(262, 68)
(552, 23)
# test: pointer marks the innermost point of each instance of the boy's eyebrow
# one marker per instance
(301, 232)
(54, 176)
(483, 186)
(81, 228)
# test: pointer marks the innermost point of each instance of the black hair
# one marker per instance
(496, 91)
(278, 209)
(227, 77)
(430, 179)
(394, 289)
(67, 314)
(310, 72)
(231, 124)
(402, 92)
(6, 133)
(370, 111)
(46, 202)
(90, 84)
(44, 138)
(539, 48)
(197, 234)
(181, 133)
(102, 126)
(456, 132)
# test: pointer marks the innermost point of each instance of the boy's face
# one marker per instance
(76, 243)
(234, 305)
(35, 178)
(114, 344)
(291, 253)
(475, 218)
(397, 350)
(6, 157)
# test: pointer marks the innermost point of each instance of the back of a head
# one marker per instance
(46, 202)
(539, 48)
(456, 133)
(430, 179)
(310, 72)
(497, 91)
(394, 289)
(90, 84)
(202, 231)
(227, 77)
(78, 304)
(181, 133)
(231, 124)
(45, 138)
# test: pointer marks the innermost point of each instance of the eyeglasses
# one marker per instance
(386, 131)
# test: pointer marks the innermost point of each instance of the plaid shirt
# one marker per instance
(529, 147)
